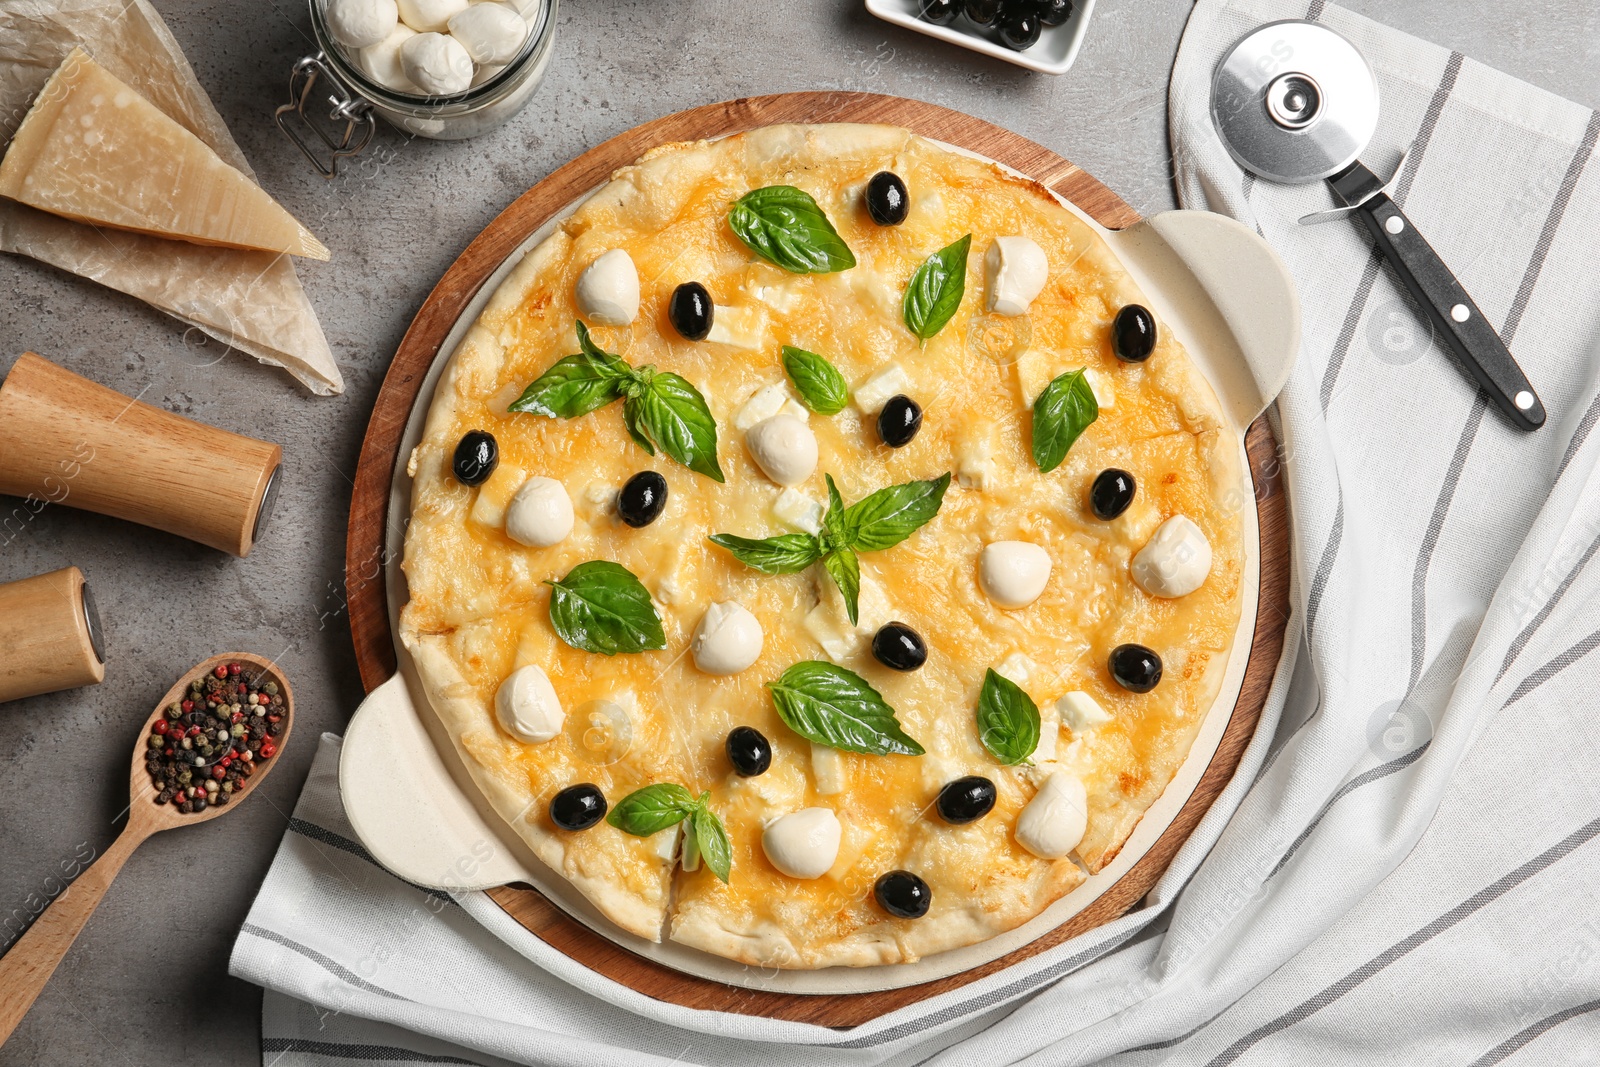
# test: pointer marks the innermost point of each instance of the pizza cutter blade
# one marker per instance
(1296, 102)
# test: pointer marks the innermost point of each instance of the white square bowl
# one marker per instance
(1053, 53)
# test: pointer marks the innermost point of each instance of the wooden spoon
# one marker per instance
(33, 959)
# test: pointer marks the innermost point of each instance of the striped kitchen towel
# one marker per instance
(1403, 870)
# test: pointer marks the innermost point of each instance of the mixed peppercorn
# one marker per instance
(203, 747)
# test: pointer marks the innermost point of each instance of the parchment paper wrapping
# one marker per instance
(250, 300)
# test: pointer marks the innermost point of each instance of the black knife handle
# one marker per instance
(1455, 318)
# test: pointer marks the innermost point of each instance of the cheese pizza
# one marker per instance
(819, 553)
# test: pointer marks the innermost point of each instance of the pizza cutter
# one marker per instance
(1296, 102)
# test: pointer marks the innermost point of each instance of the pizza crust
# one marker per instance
(762, 942)
(478, 605)
(453, 699)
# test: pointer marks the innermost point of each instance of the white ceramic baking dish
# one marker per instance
(1212, 281)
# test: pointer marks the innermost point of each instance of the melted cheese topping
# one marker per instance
(481, 593)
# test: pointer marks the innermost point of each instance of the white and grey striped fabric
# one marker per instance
(1402, 872)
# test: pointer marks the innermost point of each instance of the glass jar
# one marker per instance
(334, 76)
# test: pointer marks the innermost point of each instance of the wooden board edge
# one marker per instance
(366, 555)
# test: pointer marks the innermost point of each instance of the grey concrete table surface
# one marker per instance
(147, 982)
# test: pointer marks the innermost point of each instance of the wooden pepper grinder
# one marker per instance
(67, 440)
(50, 632)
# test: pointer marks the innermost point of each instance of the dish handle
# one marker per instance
(406, 808)
(1227, 281)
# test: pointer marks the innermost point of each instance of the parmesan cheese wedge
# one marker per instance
(93, 150)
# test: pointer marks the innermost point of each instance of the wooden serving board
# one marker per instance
(365, 552)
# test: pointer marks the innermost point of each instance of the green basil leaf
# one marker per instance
(711, 837)
(1064, 410)
(836, 707)
(936, 289)
(670, 411)
(784, 554)
(820, 385)
(784, 225)
(1008, 720)
(833, 520)
(587, 346)
(652, 809)
(891, 515)
(633, 422)
(601, 607)
(689, 848)
(845, 570)
(663, 410)
(576, 385)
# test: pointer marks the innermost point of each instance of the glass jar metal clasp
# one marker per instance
(354, 113)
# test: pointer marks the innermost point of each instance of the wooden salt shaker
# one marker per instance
(50, 634)
(67, 440)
